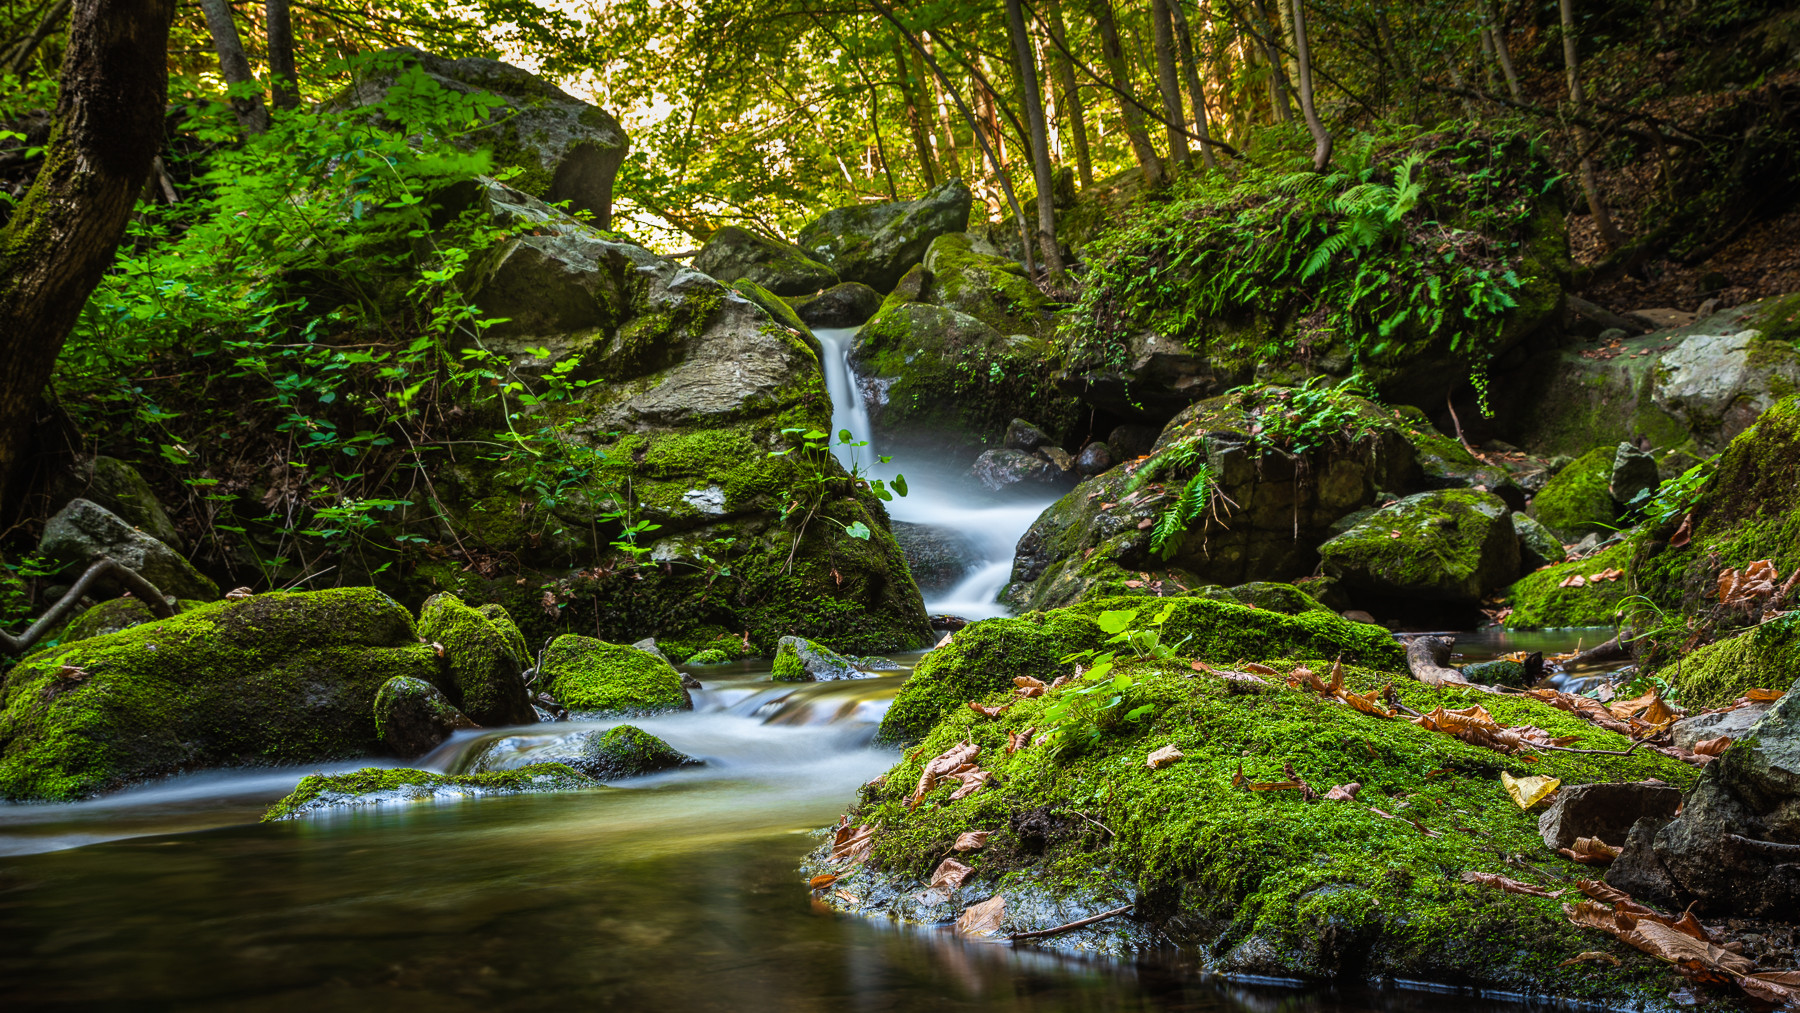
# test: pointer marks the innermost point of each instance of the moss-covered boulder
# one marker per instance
(1451, 546)
(627, 751)
(784, 269)
(1538, 547)
(1253, 882)
(848, 304)
(105, 617)
(84, 531)
(994, 290)
(483, 660)
(1553, 597)
(385, 786)
(779, 309)
(413, 717)
(986, 656)
(1577, 500)
(272, 679)
(593, 676)
(800, 660)
(877, 243)
(1765, 657)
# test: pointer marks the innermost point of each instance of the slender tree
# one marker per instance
(1026, 70)
(1303, 70)
(1264, 33)
(1190, 69)
(1114, 55)
(1584, 138)
(915, 119)
(62, 237)
(283, 80)
(234, 66)
(1497, 28)
(1068, 97)
(1168, 81)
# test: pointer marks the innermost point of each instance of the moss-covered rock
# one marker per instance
(849, 304)
(413, 717)
(1765, 657)
(986, 656)
(1537, 546)
(1257, 882)
(275, 678)
(800, 660)
(1576, 501)
(593, 676)
(120, 488)
(994, 290)
(627, 751)
(1450, 546)
(483, 660)
(1549, 599)
(877, 243)
(779, 309)
(83, 532)
(105, 617)
(378, 786)
(1284, 598)
(735, 253)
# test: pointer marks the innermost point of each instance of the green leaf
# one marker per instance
(1115, 620)
(858, 530)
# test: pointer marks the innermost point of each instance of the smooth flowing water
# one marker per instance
(937, 496)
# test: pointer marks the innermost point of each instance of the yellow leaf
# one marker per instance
(1528, 791)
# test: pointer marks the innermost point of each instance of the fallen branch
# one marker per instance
(1612, 650)
(1633, 323)
(105, 566)
(1102, 916)
(1428, 659)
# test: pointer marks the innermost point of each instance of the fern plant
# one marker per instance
(1371, 211)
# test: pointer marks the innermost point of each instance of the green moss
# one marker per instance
(986, 656)
(1264, 882)
(483, 658)
(1539, 601)
(993, 290)
(378, 785)
(1453, 544)
(1284, 598)
(709, 656)
(787, 666)
(276, 678)
(1766, 657)
(1576, 501)
(589, 675)
(780, 310)
(627, 751)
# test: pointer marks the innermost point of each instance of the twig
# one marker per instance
(1769, 847)
(1592, 752)
(1460, 438)
(1090, 819)
(1102, 916)
(134, 581)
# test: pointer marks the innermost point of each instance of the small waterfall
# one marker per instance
(936, 496)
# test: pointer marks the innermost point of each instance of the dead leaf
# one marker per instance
(848, 897)
(1529, 791)
(1500, 882)
(1028, 687)
(1591, 851)
(1163, 757)
(852, 844)
(1763, 695)
(1016, 741)
(971, 840)
(992, 712)
(1713, 747)
(1343, 792)
(983, 919)
(949, 875)
(1259, 669)
(1590, 955)
(1749, 584)
(822, 880)
(1771, 986)
(943, 766)
(239, 594)
(73, 673)
(971, 780)
(437, 648)
(1573, 580)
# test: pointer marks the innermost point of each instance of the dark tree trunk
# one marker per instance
(62, 237)
(1271, 47)
(284, 82)
(1190, 68)
(1303, 71)
(1114, 53)
(1503, 52)
(1168, 81)
(1068, 98)
(1041, 170)
(1584, 139)
(234, 66)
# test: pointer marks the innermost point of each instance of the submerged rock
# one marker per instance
(484, 657)
(286, 677)
(1451, 546)
(877, 243)
(414, 717)
(613, 754)
(379, 786)
(592, 676)
(84, 531)
(801, 660)
(732, 253)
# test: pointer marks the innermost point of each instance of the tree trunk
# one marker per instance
(948, 160)
(1068, 98)
(1502, 51)
(19, 57)
(1303, 65)
(1168, 81)
(234, 66)
(1041, 170)
(1184, 41)
(63, 235)
(1278, 85)
(1584, 139)
(283, 81)
(915, 120)
(1114, 54)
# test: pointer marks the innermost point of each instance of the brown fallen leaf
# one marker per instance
(943, 766)
(1713, 747)
(852, 844)
(1343, 792)
(1028, 687)
(1163, 757)
(1572, 580)
(1609, 894)
(1779, 987)
(1582, 707)
(1500, 882)
(949, 875)
(1591, 851)
(73, 673)
(1259, 668)
(437, 648)
(971, 780)
(1753, 582)
(1590, 955)
(983, 919)
(1016, 741)
(971, 840)
(992, 712)
(822, 880)
(1240, 781)
(1763, 695)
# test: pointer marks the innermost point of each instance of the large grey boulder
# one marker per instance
(939, 557)
(84, 531)
(1004, 468)
(1605, 810)
(733, 253)
(118, 487)
(1633, 474)
(847, 304)
(1451, 545)
(1734, 724)
(877, 243)
(570, 150)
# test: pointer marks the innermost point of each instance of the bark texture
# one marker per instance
(1068, 97)
(234, 66)
(1168, 80)
(62, 237)
(1584, 138)
(284, 81)
(1026, 62)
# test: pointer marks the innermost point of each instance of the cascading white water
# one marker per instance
(990, 527)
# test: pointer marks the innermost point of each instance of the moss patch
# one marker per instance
(484, 653)
(590, 675)
(1539, 601)
(1576, 501)
(1766, 657)
(381, 785)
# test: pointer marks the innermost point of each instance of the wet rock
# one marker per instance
(877, 243)
(1638, 871)
(782, 268)
(1131, 441)
(939, 556)
(801, 660)
(1023, 436)
(118, 487)
(413, 717)
(84, 531)
(847, 304)
(1093, 459)
(1633, 475)
(1537, 546)
(1519, 674)
(626, 751)
(377, 786)
(569, 150)
(1733, 724)
(1734, 846)
(1058, 457)
(1606, 811)
(483, 660)
(105, 617)
(648, 646)
(1003, 469)
(592, 676)
(1450, 546)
